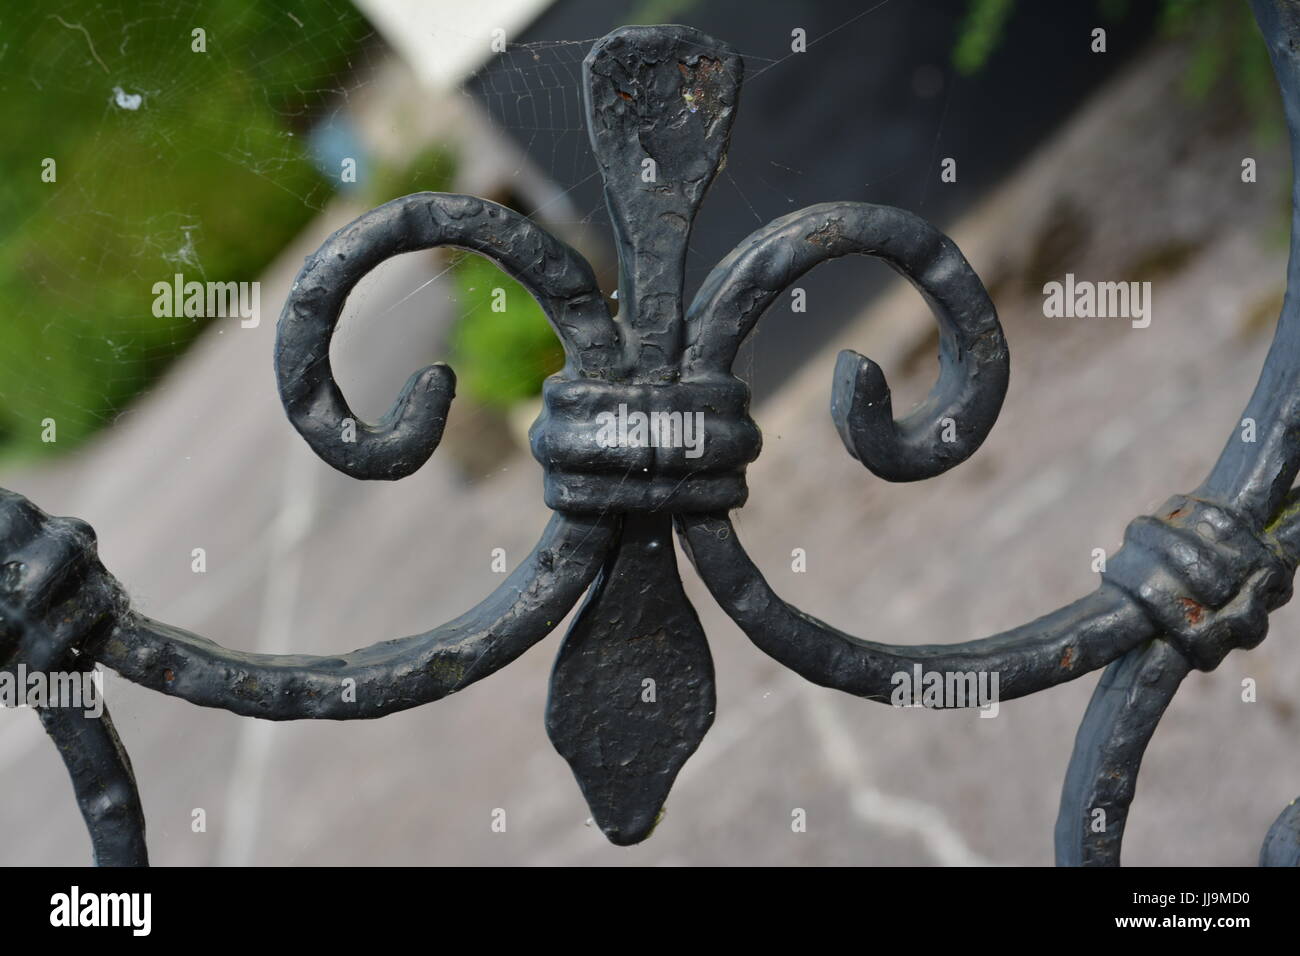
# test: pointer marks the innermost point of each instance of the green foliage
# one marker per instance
(1226, 48)
(662, 11)
(208, 176)
(432, 170)
(502, 357)
(979, 34)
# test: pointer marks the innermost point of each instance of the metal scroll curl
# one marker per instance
(558, 277)
(974, 363)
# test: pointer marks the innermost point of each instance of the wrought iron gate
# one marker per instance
(1192, 582)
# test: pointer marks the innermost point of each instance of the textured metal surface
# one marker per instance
(1282, 845)
(632, 692)
(55, 600)
(973, 359)
(381, 678)
(402, 441)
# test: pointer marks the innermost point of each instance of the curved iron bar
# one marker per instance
(54, 595)
(103, 783)
(1282, 844)
(1055, 648)
(974, 364)
(1255, 478)
(54, 568)
(557, 276)
(1135, 690)
(1087, 634)
(382, 678)
(1128, 703)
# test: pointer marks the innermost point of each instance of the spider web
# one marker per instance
(166, 159)
(532, 92)
(206, 163)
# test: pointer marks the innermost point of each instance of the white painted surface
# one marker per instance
(445, 41)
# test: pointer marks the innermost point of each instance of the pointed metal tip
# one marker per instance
(634, 830)
(632, 691)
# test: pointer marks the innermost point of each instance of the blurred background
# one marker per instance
(225, 140)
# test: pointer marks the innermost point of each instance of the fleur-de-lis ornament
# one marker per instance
(632, 691)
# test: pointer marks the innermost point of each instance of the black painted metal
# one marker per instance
(632, 692)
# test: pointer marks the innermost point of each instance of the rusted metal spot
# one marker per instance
(827, 235)
(1193, 610)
